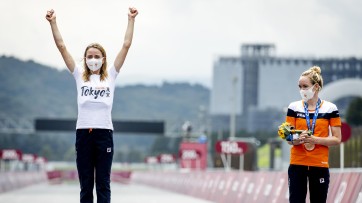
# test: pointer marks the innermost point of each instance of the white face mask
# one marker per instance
(94, 64)
(307, 94)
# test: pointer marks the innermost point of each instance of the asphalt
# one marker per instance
(69, 192)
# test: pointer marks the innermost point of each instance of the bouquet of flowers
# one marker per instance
(287, 132)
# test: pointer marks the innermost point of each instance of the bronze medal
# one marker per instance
(309, 146)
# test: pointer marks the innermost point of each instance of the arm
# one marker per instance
(68, 59)
(121, 56)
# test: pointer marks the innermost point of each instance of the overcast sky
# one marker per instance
(178, 40)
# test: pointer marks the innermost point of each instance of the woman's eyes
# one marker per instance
(95, 56)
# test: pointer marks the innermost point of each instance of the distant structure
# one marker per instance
(254, 89)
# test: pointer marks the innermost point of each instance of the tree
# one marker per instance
(354, 112)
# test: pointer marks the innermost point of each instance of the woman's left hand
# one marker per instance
(310, 139)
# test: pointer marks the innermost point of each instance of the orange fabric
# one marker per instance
(319, 156)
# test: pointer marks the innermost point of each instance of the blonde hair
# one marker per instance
(315, 76)
(103, 71)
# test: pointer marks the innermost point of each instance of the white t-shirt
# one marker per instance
(95, 99)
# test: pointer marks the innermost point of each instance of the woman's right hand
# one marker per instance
(50, 16)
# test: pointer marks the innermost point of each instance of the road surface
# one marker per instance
(69, 192)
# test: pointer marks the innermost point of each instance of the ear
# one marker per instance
(318, 88)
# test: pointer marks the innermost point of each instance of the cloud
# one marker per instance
(179, 40)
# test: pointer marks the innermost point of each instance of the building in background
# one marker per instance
(255, 88)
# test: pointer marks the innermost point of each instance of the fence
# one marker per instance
(352, 151)
(234, 186)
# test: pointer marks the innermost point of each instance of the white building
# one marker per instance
(258, 86)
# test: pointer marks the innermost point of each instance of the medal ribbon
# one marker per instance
(314, 117)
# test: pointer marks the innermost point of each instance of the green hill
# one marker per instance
(30, 90)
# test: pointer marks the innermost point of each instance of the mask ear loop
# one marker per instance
(312, 86)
